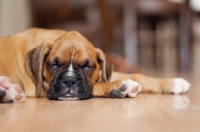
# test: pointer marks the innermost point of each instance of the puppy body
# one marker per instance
(65, 65)
(13, 52)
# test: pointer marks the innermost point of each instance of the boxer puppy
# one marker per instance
(64, 65)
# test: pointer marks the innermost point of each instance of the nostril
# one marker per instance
(65, 82)
(73, 82)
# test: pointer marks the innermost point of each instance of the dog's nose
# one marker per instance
(69, 81)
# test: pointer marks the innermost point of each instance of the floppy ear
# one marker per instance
(105, 65)
(35, 59)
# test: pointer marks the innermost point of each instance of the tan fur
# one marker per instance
(13, 63)
(149, 84)
(36, 44)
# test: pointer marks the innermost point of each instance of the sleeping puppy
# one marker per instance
(64, 65)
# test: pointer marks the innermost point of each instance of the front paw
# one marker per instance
(10, 92)
(180, 85)
(127, 88)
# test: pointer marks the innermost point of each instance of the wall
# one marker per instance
(14, 16)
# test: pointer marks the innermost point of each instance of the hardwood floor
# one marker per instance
(146, 112)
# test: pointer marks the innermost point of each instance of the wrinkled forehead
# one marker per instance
(68, 46)
(70, 41)
(73, 49)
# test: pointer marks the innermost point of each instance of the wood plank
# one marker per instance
(146, 112)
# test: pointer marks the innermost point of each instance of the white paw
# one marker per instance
(132, 88)
(180, 86)
(10, 92)
(13, 94)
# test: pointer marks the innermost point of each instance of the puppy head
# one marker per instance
(67, 68)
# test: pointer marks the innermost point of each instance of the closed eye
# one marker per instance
(54, 66)
(83, 64)
(87, 64)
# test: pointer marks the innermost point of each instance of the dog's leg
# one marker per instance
(118, 89)
(10, 92)
(156, 85)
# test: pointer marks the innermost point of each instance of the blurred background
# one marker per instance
(155, 37)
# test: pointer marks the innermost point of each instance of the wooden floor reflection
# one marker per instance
(146, 112)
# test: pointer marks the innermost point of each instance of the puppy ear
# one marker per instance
(105, 65)
(35, 59)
